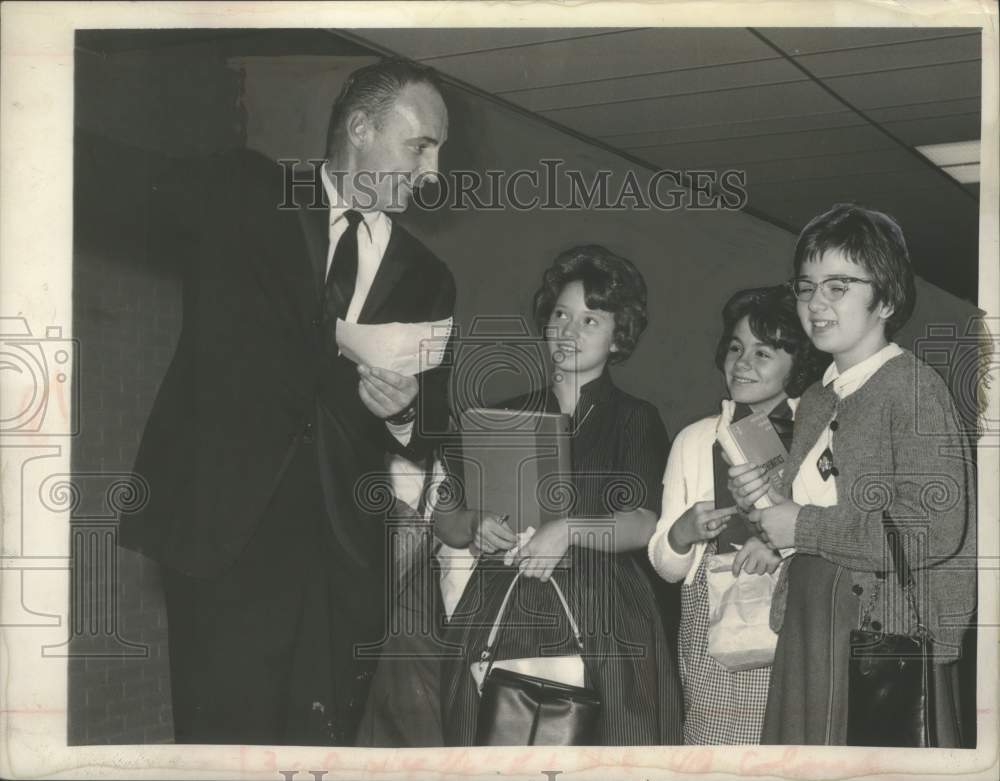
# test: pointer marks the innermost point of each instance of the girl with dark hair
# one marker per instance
(591, 308)
(877, 443)
(766, 360)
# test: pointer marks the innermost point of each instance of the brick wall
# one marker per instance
(134, 113)
(127, 317)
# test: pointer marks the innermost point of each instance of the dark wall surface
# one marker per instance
(136, 112)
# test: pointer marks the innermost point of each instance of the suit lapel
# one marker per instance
(316, 229)
(392, 267)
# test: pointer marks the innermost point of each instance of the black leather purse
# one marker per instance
(516, 709)
(891, 676)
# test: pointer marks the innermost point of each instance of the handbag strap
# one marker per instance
(895, 539)
(487, 654)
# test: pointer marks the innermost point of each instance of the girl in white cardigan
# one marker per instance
(765, 357)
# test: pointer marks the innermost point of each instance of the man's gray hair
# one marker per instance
(373, 89)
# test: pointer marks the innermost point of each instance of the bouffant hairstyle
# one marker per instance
(772, 317)
(610, 283)
(875, 242)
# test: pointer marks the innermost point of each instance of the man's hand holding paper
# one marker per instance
(389, 355)
(403, 348)
(386, 393)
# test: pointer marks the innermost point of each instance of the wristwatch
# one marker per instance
(404, 416)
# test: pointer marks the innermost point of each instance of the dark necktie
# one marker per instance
(342, 278)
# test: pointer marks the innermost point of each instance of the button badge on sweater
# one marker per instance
(825, 465)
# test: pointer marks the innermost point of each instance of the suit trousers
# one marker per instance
(262, 654)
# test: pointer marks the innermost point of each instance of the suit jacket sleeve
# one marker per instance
(431, 422)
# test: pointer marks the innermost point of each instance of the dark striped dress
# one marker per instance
(619, 450)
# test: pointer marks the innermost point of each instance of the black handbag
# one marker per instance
(890, 699)
(516, 709)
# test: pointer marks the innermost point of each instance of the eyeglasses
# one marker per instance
(833, 288)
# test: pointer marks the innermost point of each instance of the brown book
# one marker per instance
(753, 439)
(517, 463)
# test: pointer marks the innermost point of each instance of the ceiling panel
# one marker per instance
(872, 187)
(708, 79)
(922, 109)
(936, 130)
(805, 40)
(728, 129)
(745, 104)
(912, 85)
(617, 54)
(932, 51)
(911, 202)
(429, 42)
(772, 147)
(854, 165)
(915, 120)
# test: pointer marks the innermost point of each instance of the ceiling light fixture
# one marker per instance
(959, 159)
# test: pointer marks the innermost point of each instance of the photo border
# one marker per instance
(36, 138)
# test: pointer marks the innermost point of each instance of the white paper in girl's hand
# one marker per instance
(522, 540)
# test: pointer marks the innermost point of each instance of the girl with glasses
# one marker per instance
(767, 361)
(877, 438)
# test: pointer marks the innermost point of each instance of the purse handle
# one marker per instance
(487, 654)
(904, 574)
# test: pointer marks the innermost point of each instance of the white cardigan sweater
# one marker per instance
(689, 478)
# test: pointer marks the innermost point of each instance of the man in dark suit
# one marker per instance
(262, 441)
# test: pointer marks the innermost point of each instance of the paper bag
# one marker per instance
(739, 631)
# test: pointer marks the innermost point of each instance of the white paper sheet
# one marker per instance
(406, 348)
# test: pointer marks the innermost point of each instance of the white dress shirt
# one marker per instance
(373, 237)
(809, 487)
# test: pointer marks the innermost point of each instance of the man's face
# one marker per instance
(400, 155)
